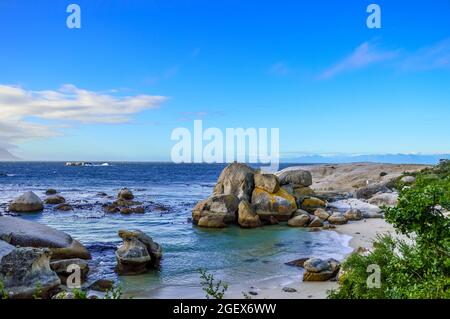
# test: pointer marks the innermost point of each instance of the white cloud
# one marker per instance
(68, 104)
(436, 56)
(364, 55)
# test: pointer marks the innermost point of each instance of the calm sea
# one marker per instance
(241, 257)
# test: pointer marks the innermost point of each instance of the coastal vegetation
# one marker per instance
(214, 289)
(417, 265)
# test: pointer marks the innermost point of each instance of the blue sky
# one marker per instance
(311, 68)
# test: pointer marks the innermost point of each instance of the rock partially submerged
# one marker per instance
(247, 217)
(55, 200)
(64, 268)
(27, 203)
(218, 208)
(138, 253)
(26, 272)
(23, 233)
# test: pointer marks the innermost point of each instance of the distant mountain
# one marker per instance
(377, 158)
(7, 156)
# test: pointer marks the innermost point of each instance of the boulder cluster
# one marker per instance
(251, 198)
(33, 255)
(38, 260)
(124, 204)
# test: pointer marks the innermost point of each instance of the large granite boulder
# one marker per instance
(27, 203)
(301, 220)
(280, 205)
(25, 272)
(236, 179)
(211, 221)
(320, 270)
(298, 178)
(23, 233)
(138, 253)
(247, 217)
(267, 182)
(222, 207)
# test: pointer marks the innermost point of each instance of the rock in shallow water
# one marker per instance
(54, 200)
(24, 233)
(26, 272)
(247, 217)
(138, 253)
(27, 203)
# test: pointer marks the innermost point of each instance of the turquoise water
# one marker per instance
(241, 257)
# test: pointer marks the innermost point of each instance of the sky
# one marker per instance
(116, 88)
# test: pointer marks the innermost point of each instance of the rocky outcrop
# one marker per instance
(27, 203)
(25, 272)
(124, 204)
(23, 233)
(280, 205)
(125, 194)
(247, 217)
(320, 270)
(138, 253)
(219, 207)
(267, 182)
(236, 179)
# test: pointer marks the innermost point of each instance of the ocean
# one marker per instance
(243, 258)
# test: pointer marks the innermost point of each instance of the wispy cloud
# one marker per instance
(436, 56)
(366, 54)
(18, 108)
(280, 68)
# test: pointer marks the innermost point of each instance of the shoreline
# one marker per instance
(362, 234)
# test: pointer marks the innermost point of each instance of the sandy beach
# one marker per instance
(363, 234)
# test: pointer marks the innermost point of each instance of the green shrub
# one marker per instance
(214, 288)
(419, 268)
